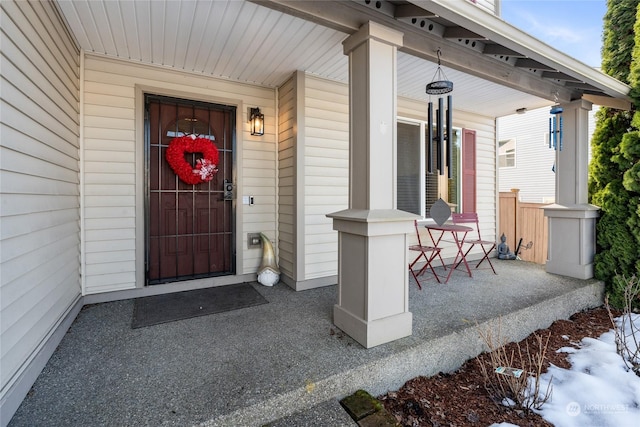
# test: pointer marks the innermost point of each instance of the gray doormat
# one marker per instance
(164, 308)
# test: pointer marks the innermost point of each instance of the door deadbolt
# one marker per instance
(228, 190)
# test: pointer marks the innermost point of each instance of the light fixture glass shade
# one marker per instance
(256, 120)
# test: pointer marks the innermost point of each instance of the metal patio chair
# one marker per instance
(487, 246)
(429, 253)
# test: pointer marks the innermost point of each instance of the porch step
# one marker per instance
(317, 403)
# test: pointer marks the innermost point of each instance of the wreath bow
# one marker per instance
(205, 168)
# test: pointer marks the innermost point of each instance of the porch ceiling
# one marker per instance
(264, 42)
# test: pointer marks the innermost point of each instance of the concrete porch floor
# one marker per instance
(281, 363)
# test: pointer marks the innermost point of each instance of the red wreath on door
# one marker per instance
(205, 168)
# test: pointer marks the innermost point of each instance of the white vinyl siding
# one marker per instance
(533, 173)
(326, 170)
(286, 178)
(39, 175)
(314, 177)
(112, 168)
(491, 6)
(321, 179)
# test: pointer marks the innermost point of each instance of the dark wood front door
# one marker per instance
(190, 228)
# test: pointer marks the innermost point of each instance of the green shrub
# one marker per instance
(614, 171)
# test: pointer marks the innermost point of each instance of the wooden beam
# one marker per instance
(496, 49)
(556, 75)
(581, 86)
(461, 33)
(606, 101)
(348, 17)
(464, 14)
(412, 11)
(532, 63)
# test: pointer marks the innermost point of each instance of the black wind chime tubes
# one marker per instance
(440, 86)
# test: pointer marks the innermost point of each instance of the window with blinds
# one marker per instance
(408, 176)
(417, 189)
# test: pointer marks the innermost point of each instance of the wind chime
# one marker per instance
(555, 128)
(439, 86)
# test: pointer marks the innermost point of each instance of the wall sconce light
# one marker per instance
(256, 119)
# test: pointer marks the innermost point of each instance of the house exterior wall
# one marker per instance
(532, 174)
(491, 6)
(39, 167)
(312, 169)
(326, 172)
(314, 177)
(313, 162)
(287, 126)
(314, 119)
(113, 151)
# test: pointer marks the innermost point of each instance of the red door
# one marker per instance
(190, 228)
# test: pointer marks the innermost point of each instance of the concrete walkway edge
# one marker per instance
(442, 354)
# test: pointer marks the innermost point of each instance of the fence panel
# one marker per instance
(508, 209)
(527, 221)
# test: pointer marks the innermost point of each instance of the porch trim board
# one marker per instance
(303, 285)
(169, 288)
(491, 26)
(18, 387)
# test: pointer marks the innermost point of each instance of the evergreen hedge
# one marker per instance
(614, 171)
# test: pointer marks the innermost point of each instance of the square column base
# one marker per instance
(374, 332)
(572, 240)
(373, 282)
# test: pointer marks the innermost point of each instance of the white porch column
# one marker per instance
(373, 303)
(572, 221)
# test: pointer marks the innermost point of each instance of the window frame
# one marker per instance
(506, 154)
(458, 131)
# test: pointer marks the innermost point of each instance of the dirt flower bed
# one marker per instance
(460, 398)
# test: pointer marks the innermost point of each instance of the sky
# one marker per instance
(597, 391)
(571, 26)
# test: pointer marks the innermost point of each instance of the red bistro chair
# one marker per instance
(429, 253)
(486, 245)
